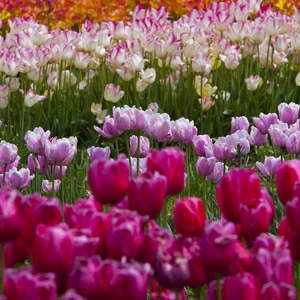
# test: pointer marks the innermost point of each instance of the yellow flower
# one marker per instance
(207, 90)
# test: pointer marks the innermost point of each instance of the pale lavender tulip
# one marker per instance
(263, 122)
(109, 129)
(257, 138)
(184, 131)
(126, 118)
(10, 166)
(144, 146)
(239, 123)
(98, 152)
(270, 165)
(35, 140)
(205, 166)
(288, 113)
(8, 153)
(224, 149)
(61, 151)
(217, 173)
(47, 186)
(278, 134)
(18, 179)
(200, 142)
(293, 143)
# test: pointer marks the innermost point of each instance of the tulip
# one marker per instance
(288, 113)
(158, 126)
(270, 165)
(125, 73)
(239, 123)
(61, 151)
(146, 194)
(287, 174)
(80, 214)
(148, 75)
(8, 153)
(113, 93)
(109, 129)
(144, 146)
(279, 134)
(218, 172)
(18, 179)
(205, 166)
(81, 60)
(189, 216)
(125, 236)
(171, 269)
(253, 82)
(16, 252)
(263, 122)
(257, 138)
(47, 186)
(98, 152)
(9, 215)
(170, 163)
(293, 143)
(102, 177)
(184, 131)
(24, 284)
(31, 98)
(36, 209)
(126, 118)
(35, 140)
(200, 142)
(53, 251)
(71, 295)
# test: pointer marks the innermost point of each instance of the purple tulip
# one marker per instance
(239, 123)
(35, 140)
(293, 143)
(184, 131)
(109, 129)
(18, 179)
(217, 173)
(257, 138)
(8, 153)
(205, 166)
(98, 152)
(263, 122)
(270, 165)
(144, 146)
(200, 142)
(288, 113)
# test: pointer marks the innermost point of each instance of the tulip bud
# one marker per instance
(189, 216)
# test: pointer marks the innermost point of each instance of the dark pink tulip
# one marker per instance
(220, 249)
(287, 174)
(275, 291)
(36, 209)
(99, 226)
(125, 236)
(292, 214)
(242, 286)
(71, 295)
(84, 277)
(172, 270)
(16, 252)
(271, 260)
(109, 179)
(84, 243)
(80, 214)
(238, 187)
(10, 218)
(155, 239)
(53, 251)
(165, 294)
(146, 194)
(189, 216)
(23, 284)
(170, 163)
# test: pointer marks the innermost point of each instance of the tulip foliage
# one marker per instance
(153, 159)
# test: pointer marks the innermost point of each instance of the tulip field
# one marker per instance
(149, 150)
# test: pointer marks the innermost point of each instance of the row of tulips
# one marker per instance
(124, 254)
(218, 60)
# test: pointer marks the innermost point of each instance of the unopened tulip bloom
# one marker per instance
(200, 142)
(205, 166)
(253, 82)
(35, 140)
(239, 123)
(47, 186)
(189, 216)
(98, 152)
(10, 217)
(125, 236)
(52, 251)
(31, 98)
(146, 194)
(61, 151)
(144, 146)
(257, 138)
(279, 134)
(26, 284)
(36, 209)
(270, 165)
(102, 177)
(287, 174)
(8, 153)
(170, 163)
(288, 113)
(113, 93)
(263, 122)
(293, 143)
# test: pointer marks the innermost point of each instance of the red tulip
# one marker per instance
(53, 251)
(10, 201)
(170, 163)
(36, 209)
(189, 216)
(23, 284)
(146, 194)
(287, 174)
(109, 179)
